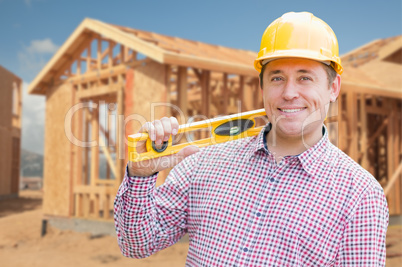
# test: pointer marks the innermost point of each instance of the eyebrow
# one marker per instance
(305, 71)
(273, 72)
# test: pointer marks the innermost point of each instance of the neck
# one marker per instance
(284, 145)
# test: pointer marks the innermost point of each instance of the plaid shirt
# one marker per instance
(240, 208)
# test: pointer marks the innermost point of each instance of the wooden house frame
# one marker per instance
(105, 82)
(371, 107)
(10, 132)
(126, 75)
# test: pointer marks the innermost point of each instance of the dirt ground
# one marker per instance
(22, 246)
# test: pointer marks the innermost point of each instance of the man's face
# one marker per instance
(296, 95)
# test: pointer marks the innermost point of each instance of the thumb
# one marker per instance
(171, 161)
(187, 151)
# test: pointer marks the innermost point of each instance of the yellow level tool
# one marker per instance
(223, 129)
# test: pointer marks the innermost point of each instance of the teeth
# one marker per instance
(291, 110)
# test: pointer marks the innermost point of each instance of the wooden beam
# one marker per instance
(99, 53)
(70, 58)
(377, 110)
(351, 102)
(78, 205)
(94, 149)
(363, 132)
(76, 42)
(257, 99)
(106, 205)
(133, 42)
(86, 163)
(168, 73)
(73, 153)
(89, 59)
(95, 199)
(377, 133)
(225, 94)
(197, 74)
(85, 205)
(205, 93)
(208, 64)
(376, 91)
(107, 135)
(397, 155)
(98, 91)
(78, 67)
(241, 96)
(94, 76)
(110, 53)
(105, 53)
(393, 179)
(108, 157)
(182, 90)
(390, 156)
(120, 138)
(123, 54)
(131, 57)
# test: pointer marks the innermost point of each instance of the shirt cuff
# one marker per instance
(137, 186)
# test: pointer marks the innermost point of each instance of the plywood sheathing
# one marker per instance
(57, 157)
(10, 132)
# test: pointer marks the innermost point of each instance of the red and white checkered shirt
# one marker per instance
(240, 208)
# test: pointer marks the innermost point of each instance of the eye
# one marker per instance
(305, 78)
(276, 79)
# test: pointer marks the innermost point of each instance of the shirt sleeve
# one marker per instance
(149, 219)
(363, 242)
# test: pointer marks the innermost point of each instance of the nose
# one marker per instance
(290, 91)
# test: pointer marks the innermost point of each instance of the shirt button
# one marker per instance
(245, 249)
(258, 214)
(272, 180)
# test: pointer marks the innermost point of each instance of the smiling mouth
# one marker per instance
(291, 110)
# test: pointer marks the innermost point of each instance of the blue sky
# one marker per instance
(32, 30)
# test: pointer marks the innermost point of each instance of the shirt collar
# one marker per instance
(311, 156)
(260, 141)
(307, 158)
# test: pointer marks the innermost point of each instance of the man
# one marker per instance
(286, 197)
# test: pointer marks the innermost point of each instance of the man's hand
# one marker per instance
(159, 131)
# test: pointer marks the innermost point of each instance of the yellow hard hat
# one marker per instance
(301, 35)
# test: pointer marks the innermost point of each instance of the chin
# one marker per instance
(290, 129)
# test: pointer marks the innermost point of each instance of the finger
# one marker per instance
(175, 125)
(159, 132)
(167, 128)
(149, 128)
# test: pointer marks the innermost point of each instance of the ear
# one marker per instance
(335, 88)
(259, 82)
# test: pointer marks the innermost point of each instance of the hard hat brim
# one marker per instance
(336, 61)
